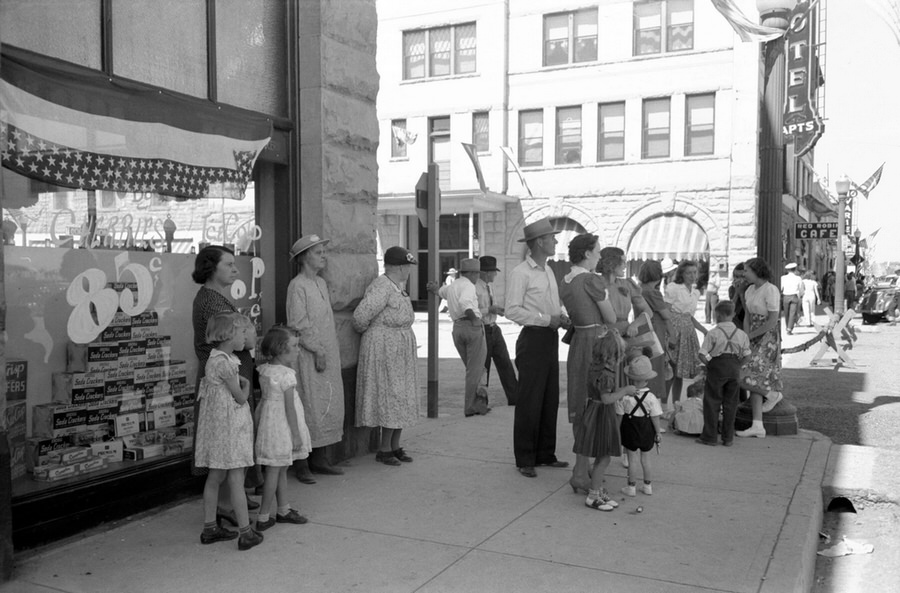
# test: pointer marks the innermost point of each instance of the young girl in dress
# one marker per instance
(225, 431)
(282, 435)
(598, 434)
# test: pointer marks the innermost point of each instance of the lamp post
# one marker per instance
(842, 185)
(772, 13)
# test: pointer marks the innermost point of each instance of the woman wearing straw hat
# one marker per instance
(319, 382)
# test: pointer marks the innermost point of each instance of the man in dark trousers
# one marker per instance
(496, 345)
(532, 301)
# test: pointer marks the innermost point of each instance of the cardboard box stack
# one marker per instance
(15, 436)
(122, 397)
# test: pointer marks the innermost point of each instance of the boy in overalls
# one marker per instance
(724, 349)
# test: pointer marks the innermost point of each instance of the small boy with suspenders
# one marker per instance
(725, 348)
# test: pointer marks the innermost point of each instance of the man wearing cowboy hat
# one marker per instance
(493, 337)
(468, 330)
(791, 291)
(532, 301)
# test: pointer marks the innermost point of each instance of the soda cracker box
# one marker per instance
(145, 325)
(119, 382)
(132, 354)
(102, 357)
(99, 414)
(147, 378)
(56, 420)
(78, 388)
(16, 379)
(114, 333)
(159, 349)
(37, 450)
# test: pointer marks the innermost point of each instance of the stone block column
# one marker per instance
(338, 85)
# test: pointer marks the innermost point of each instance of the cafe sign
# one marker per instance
(801, 121)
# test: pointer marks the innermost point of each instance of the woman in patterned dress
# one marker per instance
(387, 383)
(582, 292)
(683, 296)
(319, 381)
(761, 375)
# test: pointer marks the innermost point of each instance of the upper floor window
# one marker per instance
(439, 51)
(699, 124)
(611, 135)
(655, 132)
(531, 138)
(398, 138)
(568, 135)
(570, 37)
(439, 148)
(481, 133)
(651, 37)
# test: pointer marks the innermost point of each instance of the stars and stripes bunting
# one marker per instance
(746, 29)
(869, 184)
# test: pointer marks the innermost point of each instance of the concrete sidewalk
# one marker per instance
(460, 518)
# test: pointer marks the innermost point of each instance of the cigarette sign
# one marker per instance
(815, 230)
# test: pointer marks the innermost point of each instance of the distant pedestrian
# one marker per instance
(493, 337)
(725, 348)
(639, 428)
(448, 280)
(468, 331)
(225, 431)
(597, 433)
(712, 296)
(282, 435)
(532, 301)
(810, 297)
(761, 374)
(791, 293)
(387, 390)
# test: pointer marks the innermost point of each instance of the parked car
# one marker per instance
(881, 300)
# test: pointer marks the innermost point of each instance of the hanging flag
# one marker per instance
(746, 29)
(473, 154)
(869, 184)
(512, 159)
(403, 136)
(73, 127)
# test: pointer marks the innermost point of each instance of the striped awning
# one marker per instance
(672, 236)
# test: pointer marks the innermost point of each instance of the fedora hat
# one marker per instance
(538, 228)
(398, 256)
(667, 265)
(640, 369)
(304, 243)
(488, 263)
(470, 265)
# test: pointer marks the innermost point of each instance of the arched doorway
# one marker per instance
(669, 235)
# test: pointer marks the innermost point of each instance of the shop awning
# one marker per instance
(672, 236)
(452, 202)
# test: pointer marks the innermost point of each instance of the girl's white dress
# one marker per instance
(224, 427)
(274, 445)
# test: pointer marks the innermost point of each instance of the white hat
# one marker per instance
(667, 265)
(790, 266)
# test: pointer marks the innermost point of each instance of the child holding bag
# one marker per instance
(598, 434)
(225, 431)
(282, 435)
(640, 428)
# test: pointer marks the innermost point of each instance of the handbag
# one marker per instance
(567, 337)
(646, 337)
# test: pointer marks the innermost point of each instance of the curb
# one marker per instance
(801, 526)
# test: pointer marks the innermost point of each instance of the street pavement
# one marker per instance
(460, 518)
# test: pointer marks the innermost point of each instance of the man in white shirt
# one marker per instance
(496, 345)
(791, 291)
(468, 330)
(532, 301)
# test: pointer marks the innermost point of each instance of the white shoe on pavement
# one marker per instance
(625, 460)
(629, 490)
(754, 431)
(772, 399)
(647, 489)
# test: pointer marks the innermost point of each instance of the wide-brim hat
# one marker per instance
(304, 243)
(790, 266)
(488, 263)
(640, 369)
(667, 265)
(470, 265)
(452, 271)
(538, 228)
(399, 256)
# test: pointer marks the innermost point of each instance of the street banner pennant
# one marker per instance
(403, 136)
(746, 29)
(869, 184)
(473, 154)
(74, 127)
(512, 159)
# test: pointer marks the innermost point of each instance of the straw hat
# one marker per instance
(470, 265)
(790, 266)
(538, 228)
(640, 369)
(304, 243)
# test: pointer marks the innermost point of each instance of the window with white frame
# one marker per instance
(663, 25)
(439, 148)
(531, 138)
(398, 138)
(699, 124)
(568, 135)
(656, 133)
(481, 133)
(439, 51)
(570, 37)
(611, 133)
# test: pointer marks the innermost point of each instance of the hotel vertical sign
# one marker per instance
(801, 121)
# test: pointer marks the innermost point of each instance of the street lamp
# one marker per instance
(842, 185)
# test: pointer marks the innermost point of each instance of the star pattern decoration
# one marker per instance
(65, 166)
